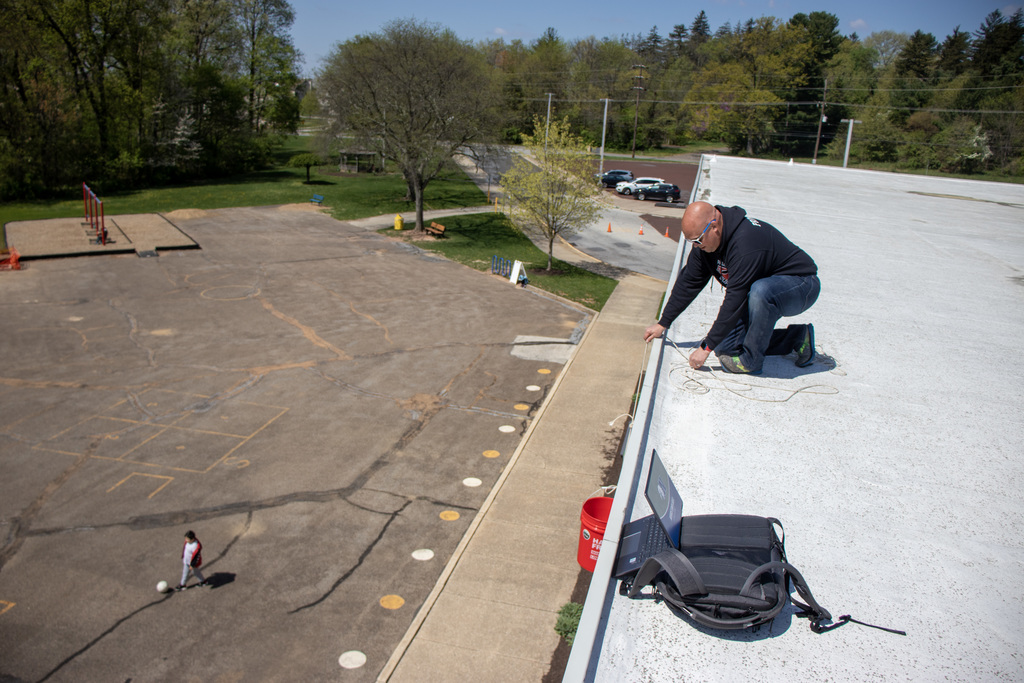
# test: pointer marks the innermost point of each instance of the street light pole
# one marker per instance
(821, 120)
(604, 130)
(849, 136)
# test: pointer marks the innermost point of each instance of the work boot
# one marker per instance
(732, 364)
(805, 348)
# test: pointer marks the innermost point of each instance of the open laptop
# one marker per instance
(647, 536)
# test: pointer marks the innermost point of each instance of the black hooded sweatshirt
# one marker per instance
(750, 250)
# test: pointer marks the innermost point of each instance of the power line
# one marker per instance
(739, 103)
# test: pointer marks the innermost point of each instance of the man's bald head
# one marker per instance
(696, 216)
(703, 221)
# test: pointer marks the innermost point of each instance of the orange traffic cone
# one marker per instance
(609, 227)
(641, 231)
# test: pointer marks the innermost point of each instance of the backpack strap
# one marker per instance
(683, 577)
(782, 537)
(679, 569)
(809, 608)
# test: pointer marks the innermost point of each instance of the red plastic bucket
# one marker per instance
(593, 519)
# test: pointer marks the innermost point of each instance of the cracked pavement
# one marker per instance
(308, 396)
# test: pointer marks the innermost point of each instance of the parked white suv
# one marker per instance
(633, 185)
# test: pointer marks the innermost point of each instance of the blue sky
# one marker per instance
(320, 24)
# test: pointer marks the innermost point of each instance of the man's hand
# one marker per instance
(653, 332)
(698, 357)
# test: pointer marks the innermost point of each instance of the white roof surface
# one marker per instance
(895, 461)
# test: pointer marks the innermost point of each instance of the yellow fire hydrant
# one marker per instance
(399, 221)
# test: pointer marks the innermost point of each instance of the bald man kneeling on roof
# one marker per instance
(765, 276)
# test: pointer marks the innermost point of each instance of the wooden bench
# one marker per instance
(435, 229)
(317, 199)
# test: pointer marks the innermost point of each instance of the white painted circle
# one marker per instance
(423, 554)
(471, 482)
(533, 387)
(507, 429)
(353, 659)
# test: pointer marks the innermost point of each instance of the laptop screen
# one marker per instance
(664, 499)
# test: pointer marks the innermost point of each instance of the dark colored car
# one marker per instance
(614, 177)
(663, 191)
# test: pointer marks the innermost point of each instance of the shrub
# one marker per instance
(568, 621)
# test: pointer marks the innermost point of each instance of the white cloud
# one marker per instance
(858, 24)
(499, 31)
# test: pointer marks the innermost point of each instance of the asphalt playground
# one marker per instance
(326, 407)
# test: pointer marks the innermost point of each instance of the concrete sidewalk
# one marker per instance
(492, 614)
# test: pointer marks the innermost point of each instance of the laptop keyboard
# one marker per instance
(655, 540)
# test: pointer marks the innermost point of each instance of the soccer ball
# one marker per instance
(161, 587)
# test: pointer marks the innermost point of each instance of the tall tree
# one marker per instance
(999, 45)
(955, 53)
(94, 38)
(676, 42)
(887, 45)
(917, 59)
(700, 34)
(651, 47)
(769, 57)
(823, 42)
(413, 92)
(268, 60)
(915, 70)
(555, 193)
(822, 31)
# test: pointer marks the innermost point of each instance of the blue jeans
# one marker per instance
(770, 298)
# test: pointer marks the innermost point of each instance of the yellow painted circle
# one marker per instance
(521, 406)
(544, 371)
(392, 601)
(491, 454)
(449, 515)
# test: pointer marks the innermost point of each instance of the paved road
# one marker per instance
(651, 253)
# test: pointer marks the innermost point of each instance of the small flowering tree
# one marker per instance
(553, 192)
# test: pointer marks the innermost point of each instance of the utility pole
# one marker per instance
(604, 130)
(547, 127)
(821, 120)
(849, 136)
(636, 113)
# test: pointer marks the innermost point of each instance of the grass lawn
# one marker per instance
(347, 196)
(473, 239)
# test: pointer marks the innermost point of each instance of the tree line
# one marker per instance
(415, 94)
(126, 93)
(762, 87)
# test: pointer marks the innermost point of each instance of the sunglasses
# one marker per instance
(697, 240)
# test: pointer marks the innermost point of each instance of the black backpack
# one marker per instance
(730, 572)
